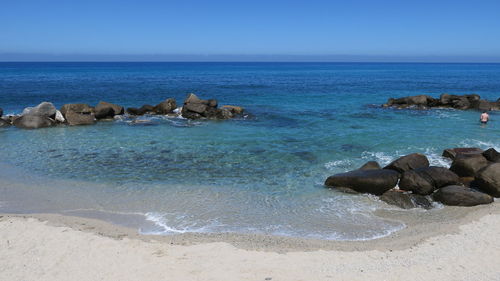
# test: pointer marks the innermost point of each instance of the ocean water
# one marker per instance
(261, 173)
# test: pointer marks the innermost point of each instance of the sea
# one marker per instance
(260, 173)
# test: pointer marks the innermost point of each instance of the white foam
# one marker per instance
(382, 158)
(343, 164)
(159, 220)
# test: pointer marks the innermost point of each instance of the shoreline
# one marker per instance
(420, 226)
(52, 247)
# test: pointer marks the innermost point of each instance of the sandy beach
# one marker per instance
(55, 247)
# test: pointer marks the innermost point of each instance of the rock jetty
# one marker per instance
(410, 182)
(76, 114)
(462, 102)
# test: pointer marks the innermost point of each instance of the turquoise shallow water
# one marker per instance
(262, 173)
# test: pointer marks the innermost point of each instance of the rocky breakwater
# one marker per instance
(410, 182)
(196, 108)
(462, 102)
(76, 114)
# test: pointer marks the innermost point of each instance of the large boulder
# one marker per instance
(405, 200)
(409, 162)
(468, 165)
(45, 109)
(165, 107)
(488, 179)
(107, 110)
(195, 108)
(492, 155)
(455, 195)
(80, 108)
(370, 165)
(452, 153)
(76, 119)
(365, 181)
(424, 181)
(33, 122)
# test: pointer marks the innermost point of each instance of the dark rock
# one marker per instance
(409, 162)
(140, 111)
(397, 198)
(452, 153)
(76, 119)
(468, 165)
(44, 109)
(466, 181)
(422, 201)
(365, 181)
(406, 200)
(166, 106)
(212, 103)
(4, 123)
(454, 195)
(80, 108)
(492, 155)
(1, 112)
(224, 113)
(33, 122)
(370, 165)
(195, 108)
(199, 108)
(424, 181)
(488, 179)
(102, 110)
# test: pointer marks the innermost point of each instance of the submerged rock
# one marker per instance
(454, 195)
(424, 181)
(488, 179)
(33, 122)
(365, 181)
(468, 165)
(409, 162)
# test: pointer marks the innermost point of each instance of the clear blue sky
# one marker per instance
(214, 28)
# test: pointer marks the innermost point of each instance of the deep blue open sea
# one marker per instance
(263, 173)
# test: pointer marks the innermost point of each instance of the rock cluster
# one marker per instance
(47, 115)
(462, 102)
(409, 182)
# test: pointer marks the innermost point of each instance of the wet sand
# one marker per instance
(449, 244)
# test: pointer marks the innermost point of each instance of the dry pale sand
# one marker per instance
(34, 249)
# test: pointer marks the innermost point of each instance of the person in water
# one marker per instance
(484, 117)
